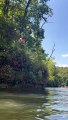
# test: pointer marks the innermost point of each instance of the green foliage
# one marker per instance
(23, 63)
(51, 68)
(6, 72)
(54, 79)
(58, 76)
(63, 74)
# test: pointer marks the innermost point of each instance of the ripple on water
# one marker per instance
(57, 117)
(53, 106)
(58, 103)
(4, 104)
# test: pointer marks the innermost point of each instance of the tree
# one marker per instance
(63, 74)
(53, 78)
(21, 34)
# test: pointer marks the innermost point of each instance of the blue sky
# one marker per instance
(56, 31)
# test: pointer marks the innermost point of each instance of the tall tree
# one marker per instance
(21, 34)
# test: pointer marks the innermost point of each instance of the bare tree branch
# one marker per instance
(53, 49)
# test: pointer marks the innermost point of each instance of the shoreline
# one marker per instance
(23, 91)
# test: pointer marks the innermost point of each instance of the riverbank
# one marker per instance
(21, 90)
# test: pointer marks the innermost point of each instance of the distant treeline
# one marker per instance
(60, 77)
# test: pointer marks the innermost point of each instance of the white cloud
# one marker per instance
(64, 55)
(62, 65)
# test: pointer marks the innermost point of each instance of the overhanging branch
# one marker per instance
(26, 9)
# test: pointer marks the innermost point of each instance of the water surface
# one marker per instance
(53, 106)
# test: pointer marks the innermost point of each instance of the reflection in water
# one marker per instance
(53, 106)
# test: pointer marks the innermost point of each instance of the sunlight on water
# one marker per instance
(9, 104)
(53, 106)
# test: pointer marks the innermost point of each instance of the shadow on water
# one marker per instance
(52, 106)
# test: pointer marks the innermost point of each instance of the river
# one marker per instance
(52, 106)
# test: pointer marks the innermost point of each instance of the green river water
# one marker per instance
(52, 106)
